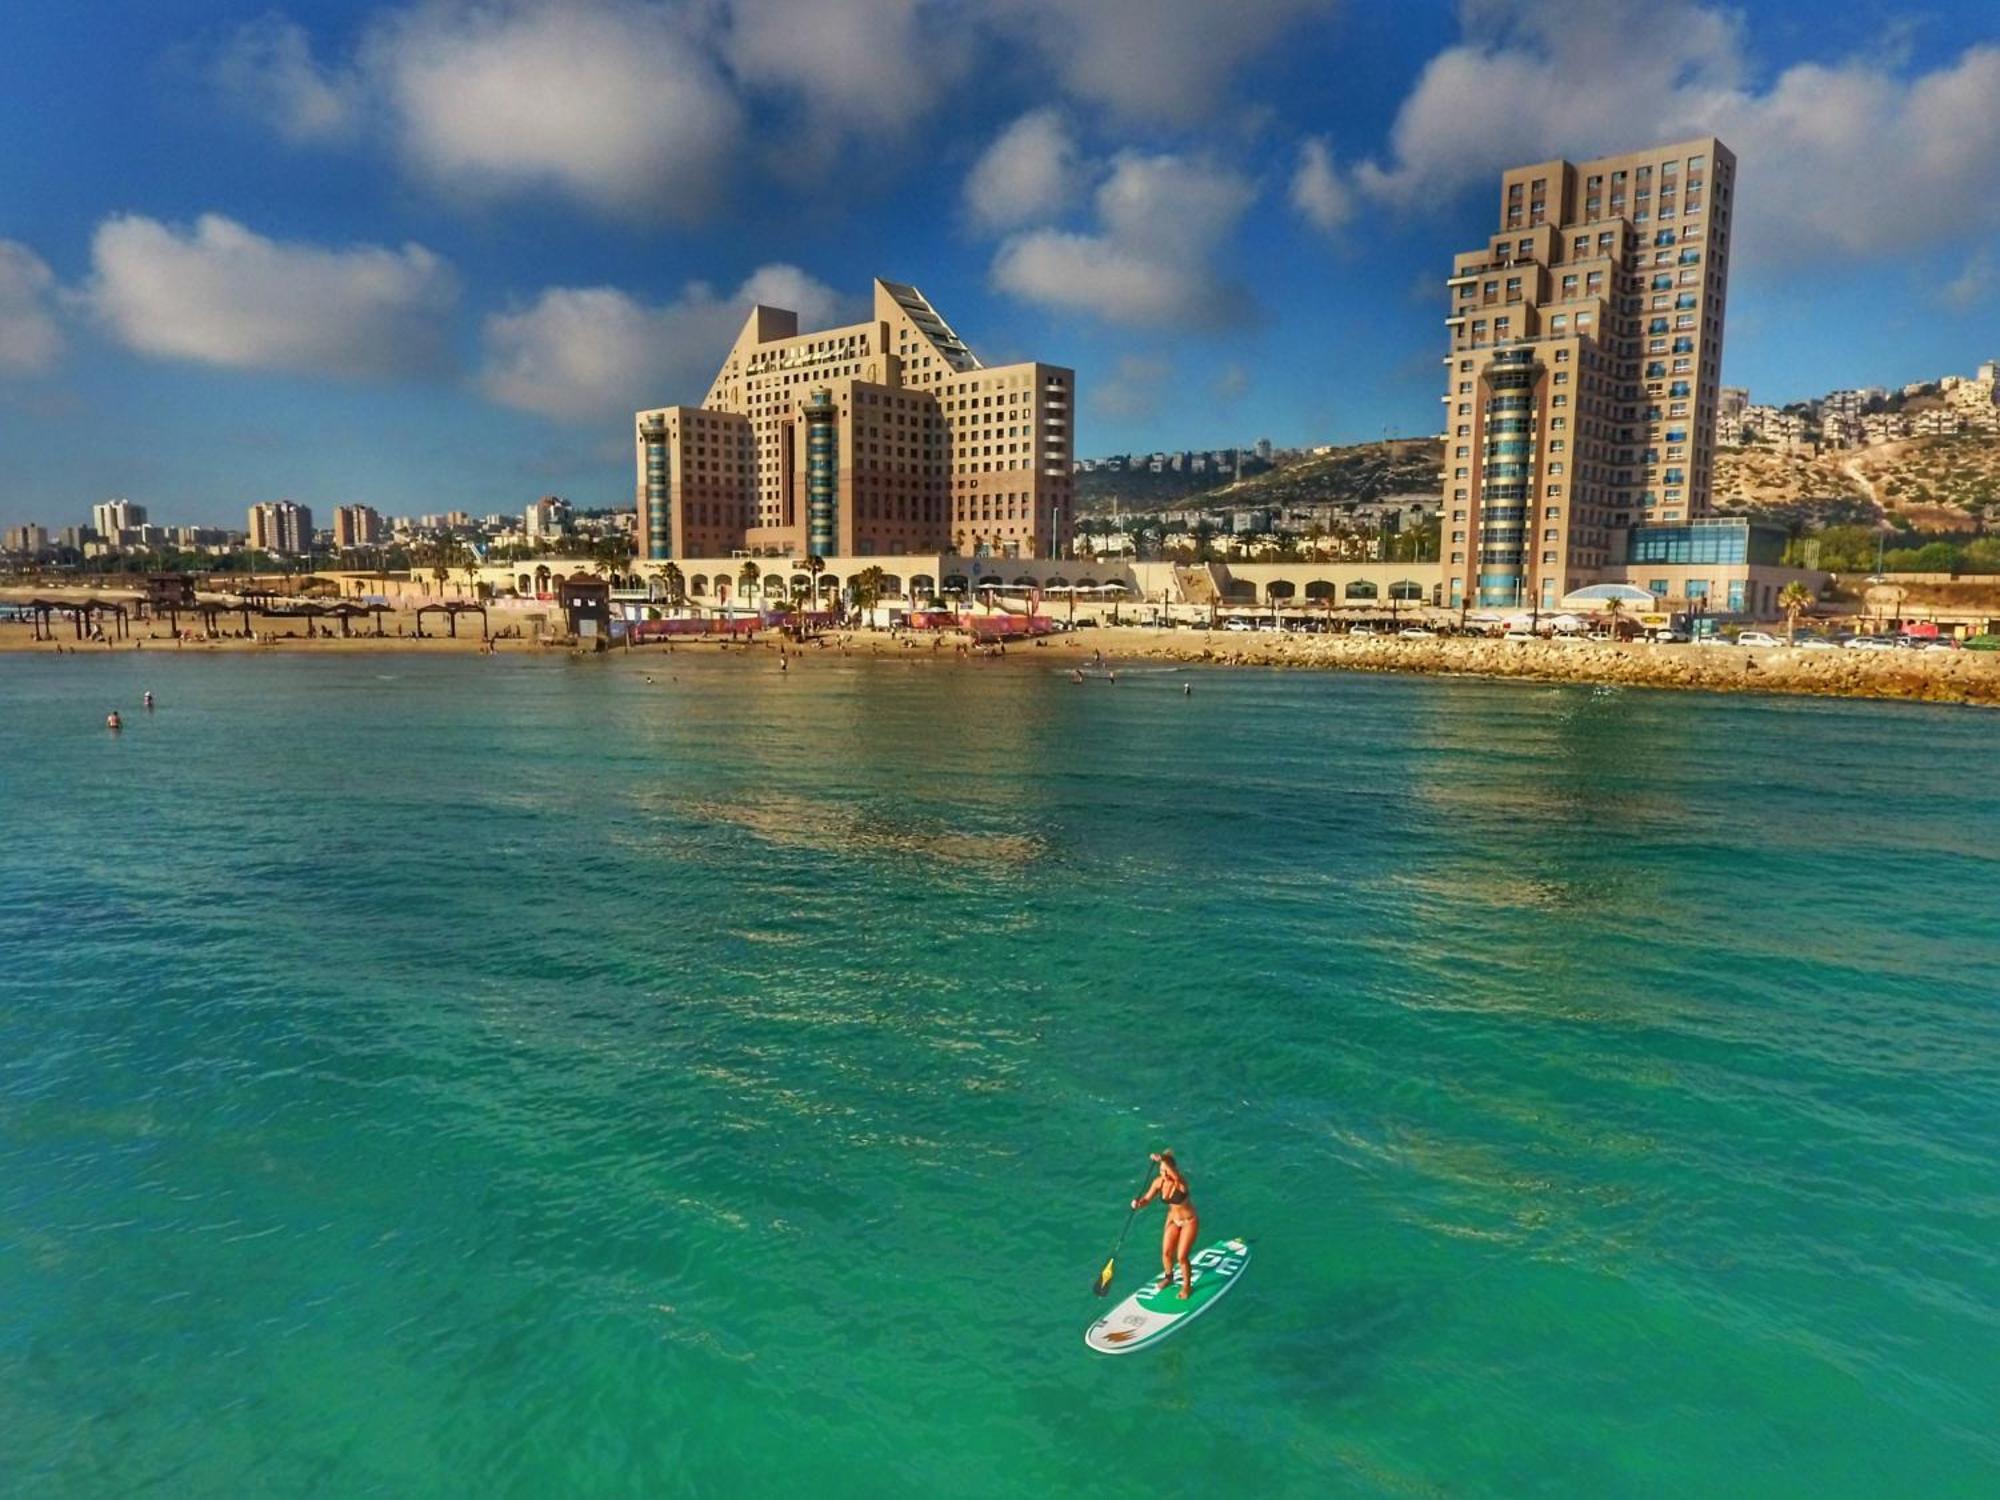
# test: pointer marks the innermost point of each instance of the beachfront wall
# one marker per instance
(1089, 585)
(916, 578)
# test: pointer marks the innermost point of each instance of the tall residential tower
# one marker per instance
(1586, 356)
(883, 437)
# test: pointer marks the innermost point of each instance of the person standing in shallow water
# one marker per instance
(1183, 1223)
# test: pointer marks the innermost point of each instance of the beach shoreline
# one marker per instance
(1932, 677)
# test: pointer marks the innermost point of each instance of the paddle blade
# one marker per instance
(1103, 1279)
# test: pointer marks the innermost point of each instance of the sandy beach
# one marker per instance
(1970, 677)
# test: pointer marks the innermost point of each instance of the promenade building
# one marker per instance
(357, 526)
(1584, 368)
(280, 526)
(882, 438)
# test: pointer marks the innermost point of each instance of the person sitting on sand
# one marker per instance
(1183, 1223)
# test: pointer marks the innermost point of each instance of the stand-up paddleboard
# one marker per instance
(1154, 1311)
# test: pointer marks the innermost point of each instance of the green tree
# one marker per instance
(1981, 555)
(746, 580)
(615, 552)
(867, 586)
(1794, 599)
(442, 553)
(674, 581)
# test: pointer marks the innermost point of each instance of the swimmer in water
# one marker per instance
(149, 699)
(112, 721)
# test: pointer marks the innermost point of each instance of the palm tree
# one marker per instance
(615, 552)
(676, 585)
(746, 578)
(1794, 599)
(814, 565)
(866, 587)
(1613, 608)
(443, 554)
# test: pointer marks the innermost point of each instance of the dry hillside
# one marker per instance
(1935, 484)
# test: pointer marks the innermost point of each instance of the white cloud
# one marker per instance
(1317, 191)
(1539, 78)
(1133, 388)
(587, 354)
(610, 101)
(1160, 220)
(619, 104)
(267, 68)
(1029, 172)
(224, 295)
(1972, 285)
(30, 341)
(864, 63)
(1152, 59)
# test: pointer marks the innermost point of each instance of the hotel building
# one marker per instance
(1584, 370)
(883, 438)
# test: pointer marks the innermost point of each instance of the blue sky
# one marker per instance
(430, 254)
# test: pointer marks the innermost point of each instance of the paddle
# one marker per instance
(1104, 1276)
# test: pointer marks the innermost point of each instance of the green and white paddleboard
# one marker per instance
(1154, 1311)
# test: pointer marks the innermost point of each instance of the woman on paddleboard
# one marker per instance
(1183, 1223)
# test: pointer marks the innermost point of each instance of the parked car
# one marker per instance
(1416, 633)
(1757, 638)
(1813, 643)
(1362, 630)
(1871, 643)
(1714, 640)
(1665, 637)
(1982, 643)
(1237, 625)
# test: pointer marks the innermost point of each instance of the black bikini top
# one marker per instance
(1175, 1195)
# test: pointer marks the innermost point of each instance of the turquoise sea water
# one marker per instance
(504, 1076)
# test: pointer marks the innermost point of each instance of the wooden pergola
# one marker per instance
(81, 613)
(346, 611)
(451, 610)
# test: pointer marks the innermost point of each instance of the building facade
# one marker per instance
(357, 526)
(1584, 367)
(28, 539)
(280, 526)
(548, 518)
(111, 518)
(881, 438)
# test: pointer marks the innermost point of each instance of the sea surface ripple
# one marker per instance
(666, 1076)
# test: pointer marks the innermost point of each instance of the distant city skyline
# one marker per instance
(431, 256)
